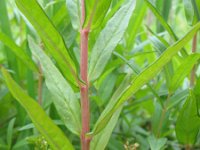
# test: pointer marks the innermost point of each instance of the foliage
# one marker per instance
(134, 61)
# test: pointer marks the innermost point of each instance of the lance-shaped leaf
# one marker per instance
(51, 38)
(19, 52)
(188, 122)
(54, 136)
(108, 39)
(96, 11)
(183, 70)
(73, 7)
(143, 78)
(64, 97)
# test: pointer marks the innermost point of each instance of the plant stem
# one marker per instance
(85, 109)
(40, 78)
(187, 147)
(194, 47)
(162, 118)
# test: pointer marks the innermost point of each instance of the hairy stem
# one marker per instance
(194, 47)
(85, 109)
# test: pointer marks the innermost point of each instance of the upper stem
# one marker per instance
(194, 47)
(85, 109)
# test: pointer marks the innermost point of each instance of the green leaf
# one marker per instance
(143, 78)
(197, 94)
(177, 98)
(19, 52)
(156, 144)
(10, 132)
(96, 11)
(182, 71)
(106, 88)
(100, 140)
(108, 39)
(64, 97)
(189, 11)
(50, 36)
(42, 122)
(135, 22)
(188, 122)
(73, 7)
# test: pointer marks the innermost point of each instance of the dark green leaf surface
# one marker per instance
(51, 38)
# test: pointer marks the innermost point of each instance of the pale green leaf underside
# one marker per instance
(42, 122)
(65, 99)
(73, 7)
(108, 39)
(156, 144)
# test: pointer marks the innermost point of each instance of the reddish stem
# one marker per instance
(82, 11)
(85, 109)
(84, 91)
(194, 47)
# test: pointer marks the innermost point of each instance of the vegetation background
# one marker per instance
(143, 78)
